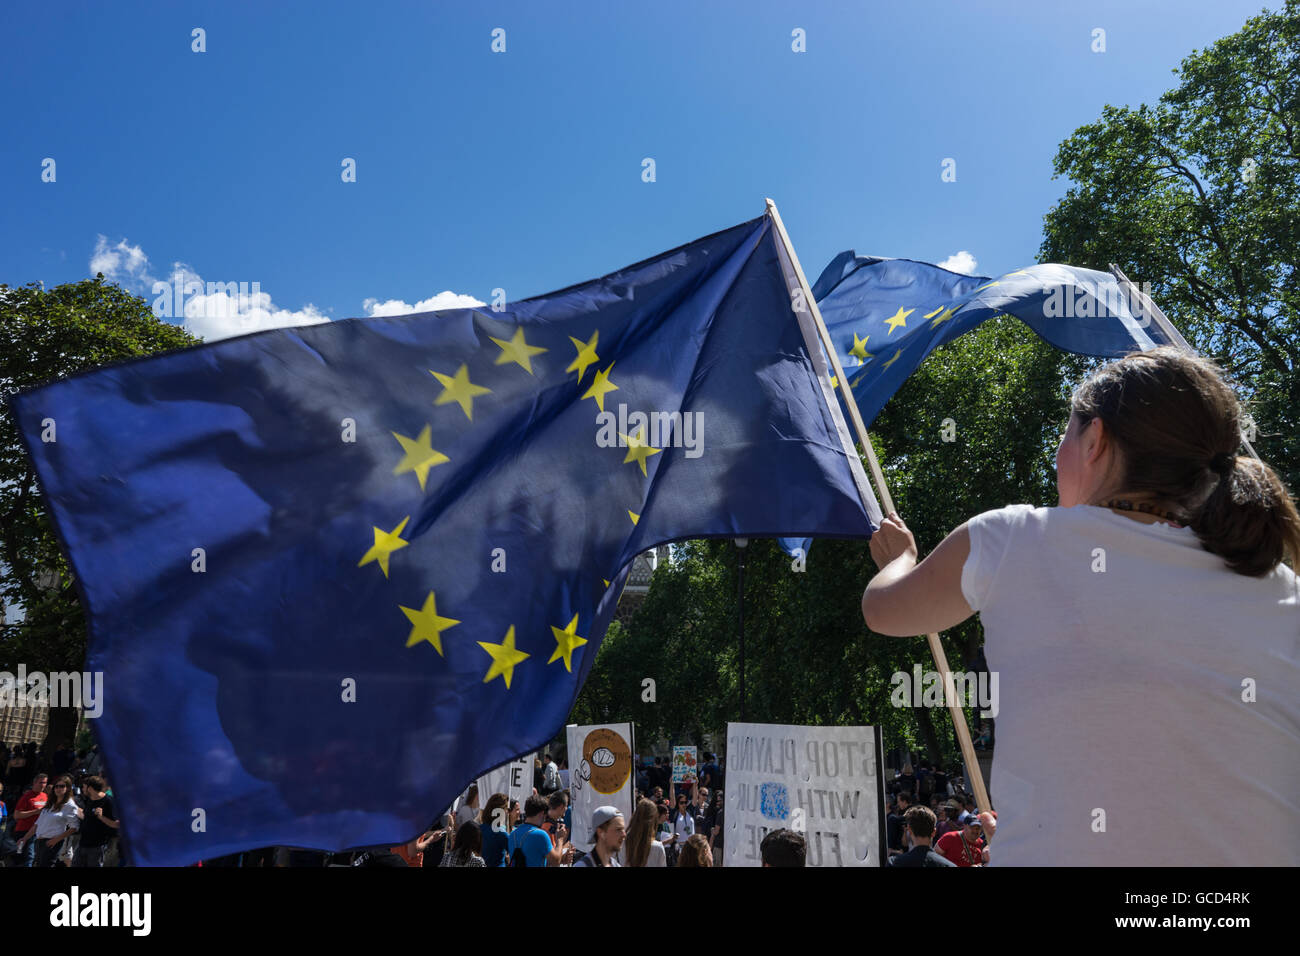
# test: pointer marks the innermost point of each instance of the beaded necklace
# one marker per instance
(1145, 507)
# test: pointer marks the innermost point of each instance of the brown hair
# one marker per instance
(498, 801)
(55, 803)
(641, 833)
(695, 852)
(1176, 423)
(469, 839)
(920, 820)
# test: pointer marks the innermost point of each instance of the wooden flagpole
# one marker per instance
(936, 648)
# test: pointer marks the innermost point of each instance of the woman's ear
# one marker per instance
(1096, 441)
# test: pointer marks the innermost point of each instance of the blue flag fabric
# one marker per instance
(886, 315)
(334, 573)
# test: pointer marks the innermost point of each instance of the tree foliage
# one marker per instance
(47, 335)
(1199, 195)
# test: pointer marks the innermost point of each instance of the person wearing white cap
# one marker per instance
(607, 823)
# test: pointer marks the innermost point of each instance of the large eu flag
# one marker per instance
(333, 573)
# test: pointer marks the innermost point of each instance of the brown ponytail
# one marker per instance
(1250, 519)
(1176, 423)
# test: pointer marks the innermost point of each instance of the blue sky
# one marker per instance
(523, 170)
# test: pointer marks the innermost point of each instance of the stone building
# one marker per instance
(638, 581)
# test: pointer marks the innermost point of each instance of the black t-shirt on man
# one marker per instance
(94, 832)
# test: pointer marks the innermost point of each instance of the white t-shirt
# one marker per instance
(465, 813)
(684, 827)
(52, 823)
(1121, 690)
(657, 856)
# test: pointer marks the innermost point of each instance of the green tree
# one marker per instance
(47, 335)
(1199, 195)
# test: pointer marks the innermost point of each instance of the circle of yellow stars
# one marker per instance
(419, 457)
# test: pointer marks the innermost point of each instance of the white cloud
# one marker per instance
(962, 262)
(224, 312)
(121, 263)
(443, 300)
(218, 310)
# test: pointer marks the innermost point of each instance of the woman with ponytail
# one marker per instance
(1145, 632)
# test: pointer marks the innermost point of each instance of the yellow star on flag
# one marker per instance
(504, 657)
(892, 360)
(386, 542)
(565, 642)
(517, 350)
(898, 318)
(427, 625)
(988, 286)
(859, 350)
(420, 455)
(947, 314)
(600, 386)
(634, 516)
(458, 388)
(637, 448)
(586, 355)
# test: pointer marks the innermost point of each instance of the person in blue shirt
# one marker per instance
(495, 827)
(530, 845)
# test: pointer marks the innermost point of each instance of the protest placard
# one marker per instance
(600, 757)
(514, 779)
(822, 782)
(684, 763)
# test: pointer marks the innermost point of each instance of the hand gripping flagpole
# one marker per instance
(936, 648)
(1148, 307)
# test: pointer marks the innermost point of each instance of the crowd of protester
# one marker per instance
(674, 823)
(932, 820)
(57, 809)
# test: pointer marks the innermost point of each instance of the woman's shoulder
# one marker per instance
(1014, 514)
